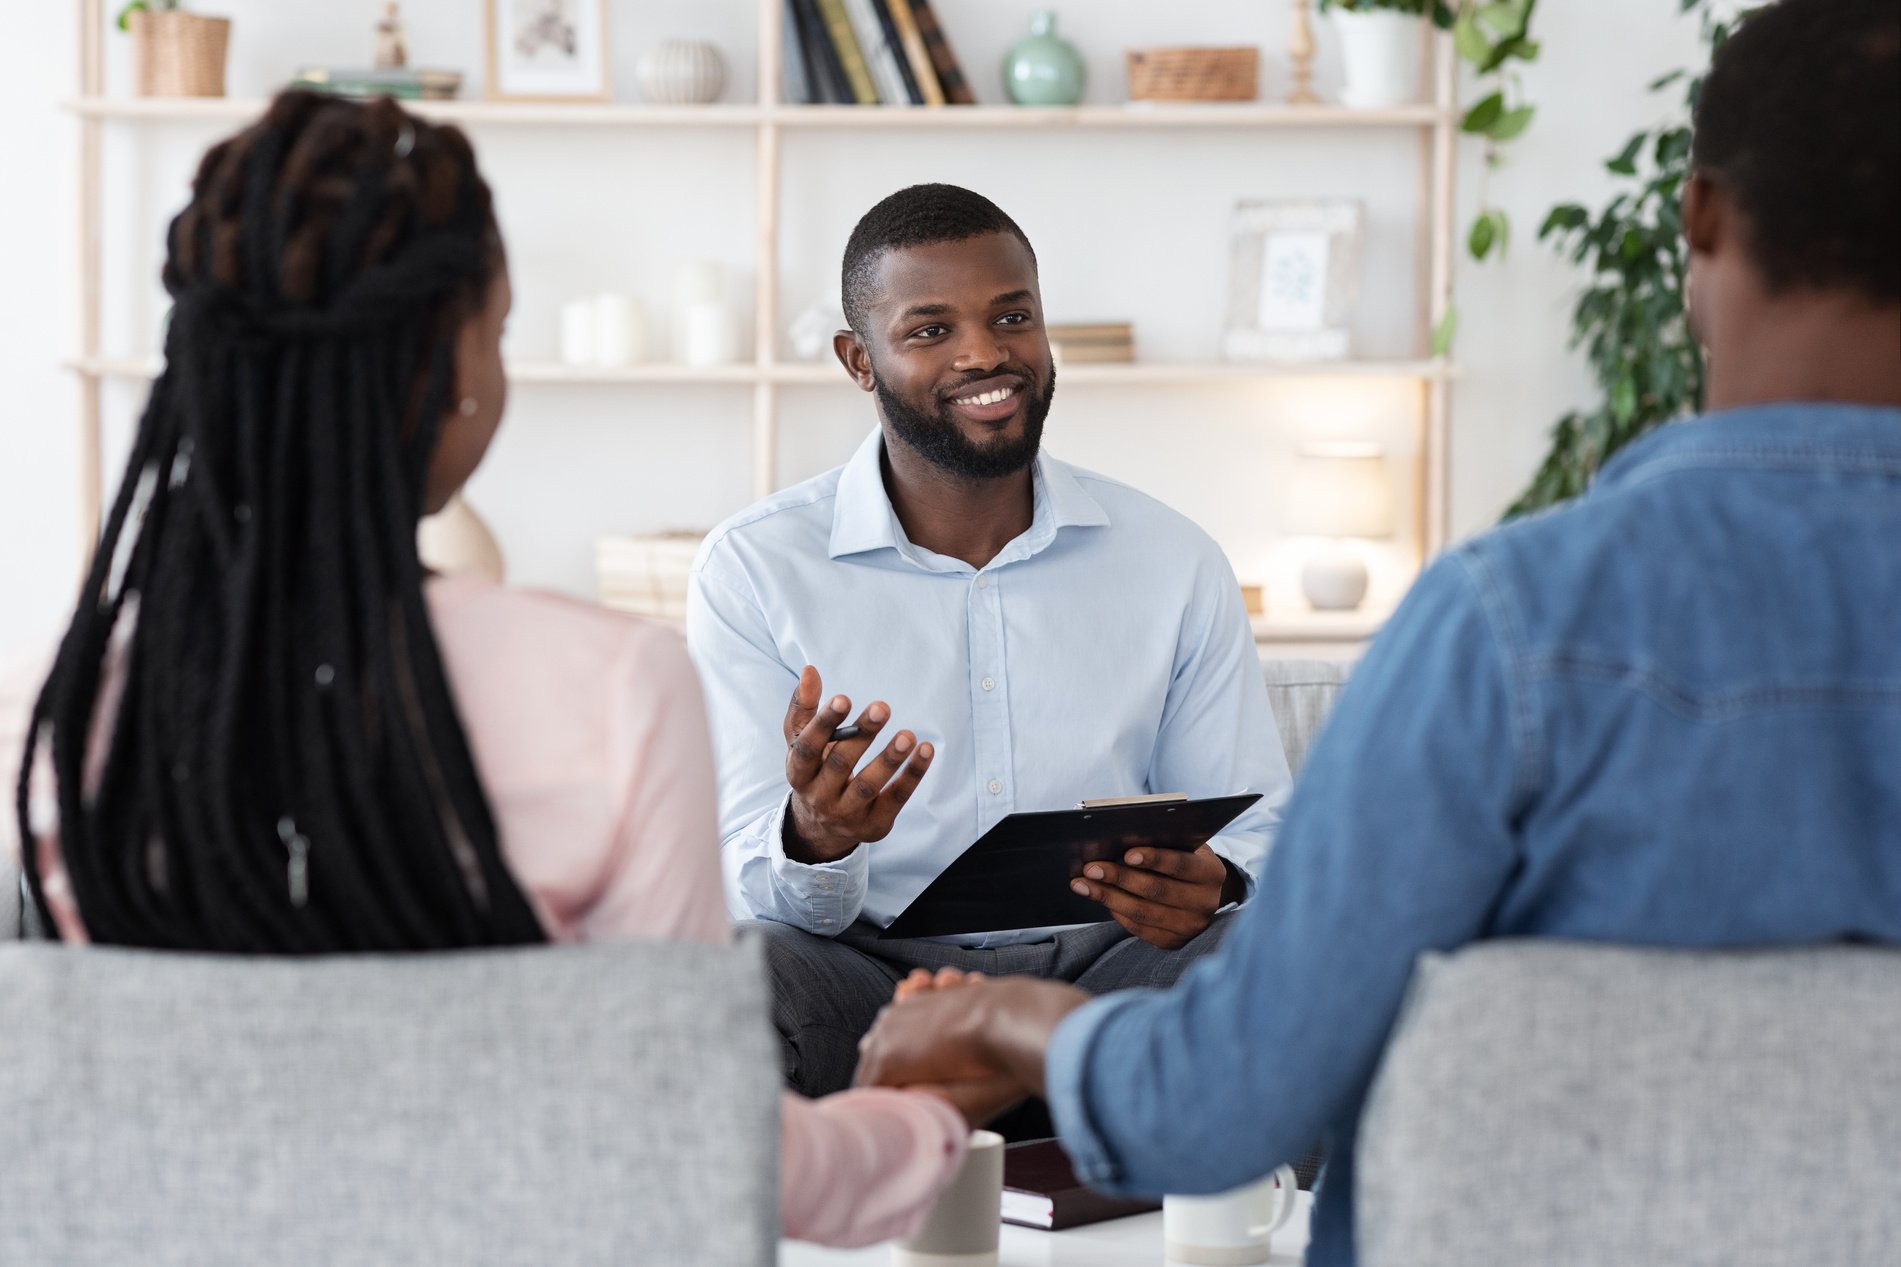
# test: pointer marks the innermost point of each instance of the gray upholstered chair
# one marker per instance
(1568, 1105)
(1301, 693)
(574, 1105)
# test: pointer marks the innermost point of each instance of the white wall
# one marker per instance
(1128, 225)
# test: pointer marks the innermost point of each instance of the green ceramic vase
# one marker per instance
(1043, 70)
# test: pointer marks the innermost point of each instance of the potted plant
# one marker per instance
(1379, 48)
(175, 54)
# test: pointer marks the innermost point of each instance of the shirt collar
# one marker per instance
(1801, 434)
(863, 519)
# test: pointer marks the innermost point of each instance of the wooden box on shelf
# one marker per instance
(1193, 74)
(177, 54)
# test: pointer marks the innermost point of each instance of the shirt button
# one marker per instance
(982, 581)
(996, 786)
(990, 684)
(825, 921)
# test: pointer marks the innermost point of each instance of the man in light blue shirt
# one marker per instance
(1043, 635)
(1668, 714)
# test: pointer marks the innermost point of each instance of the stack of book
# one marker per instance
(1098, 343)
(868, 53)
(646, 575)
(1041, 1190)
(404, 85)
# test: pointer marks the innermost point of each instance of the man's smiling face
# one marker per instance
(960, 359)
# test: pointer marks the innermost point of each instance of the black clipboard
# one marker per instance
(1017, 874)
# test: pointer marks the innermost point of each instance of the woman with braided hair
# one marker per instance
(268, 730)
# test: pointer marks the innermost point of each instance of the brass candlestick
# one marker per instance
(1300, 52)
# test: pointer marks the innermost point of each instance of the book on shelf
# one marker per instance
(851, 57)
(403, 84)
(950, 76)
(829, 85)
(1098, 343)
(912, 41)
(894, 49)
(879, 56)
(799, 77)
(1040, 1189)
(1092, 353)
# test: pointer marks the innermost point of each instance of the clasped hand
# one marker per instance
(835, 806)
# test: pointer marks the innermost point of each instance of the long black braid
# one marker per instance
(283, 693)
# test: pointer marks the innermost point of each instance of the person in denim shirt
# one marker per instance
(1665, 715)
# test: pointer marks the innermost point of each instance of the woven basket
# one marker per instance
(1193, 74)
(177, 54)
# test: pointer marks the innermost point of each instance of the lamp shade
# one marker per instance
(1340, 490)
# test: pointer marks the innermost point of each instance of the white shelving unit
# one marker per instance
(1435, 123)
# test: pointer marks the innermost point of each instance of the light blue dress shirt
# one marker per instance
(1104, 652)
(1666, 714)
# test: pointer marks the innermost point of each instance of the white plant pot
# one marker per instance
(456, 542)
(1381, 53)
(681, 72)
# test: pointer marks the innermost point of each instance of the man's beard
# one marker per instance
(939, 441)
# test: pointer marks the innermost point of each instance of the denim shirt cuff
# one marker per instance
(825, 896)
(1066, 1069)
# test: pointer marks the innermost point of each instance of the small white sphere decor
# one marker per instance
(681, 73)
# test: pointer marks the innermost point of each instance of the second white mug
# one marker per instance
(1229, 1229)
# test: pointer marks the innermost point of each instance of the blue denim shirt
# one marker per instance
(1667, 714)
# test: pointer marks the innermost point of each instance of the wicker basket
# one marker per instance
(177, 54)
(1194, 74)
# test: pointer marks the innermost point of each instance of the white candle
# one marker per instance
(577, 332)
(620, 330)
(707, 334)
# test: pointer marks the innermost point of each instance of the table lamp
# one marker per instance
(1342, 492)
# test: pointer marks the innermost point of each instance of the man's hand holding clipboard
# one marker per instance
(1144, 862)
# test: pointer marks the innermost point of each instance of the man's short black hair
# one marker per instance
(1800, 120)
(921, 215)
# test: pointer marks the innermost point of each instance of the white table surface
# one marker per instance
(1132, 1242)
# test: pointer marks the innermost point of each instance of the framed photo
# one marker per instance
(547, 50)
(1293, 274)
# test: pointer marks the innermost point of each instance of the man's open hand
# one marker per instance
(836, 807)
(1164, 896)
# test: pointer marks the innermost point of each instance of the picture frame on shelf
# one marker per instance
(547, 50)
(1293, 275)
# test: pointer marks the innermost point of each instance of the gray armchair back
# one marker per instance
(1571, 1105)
(612, 1104)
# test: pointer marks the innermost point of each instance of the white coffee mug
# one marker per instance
(961, 1229)
(1229, 1229)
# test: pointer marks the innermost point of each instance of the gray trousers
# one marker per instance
(826, 991)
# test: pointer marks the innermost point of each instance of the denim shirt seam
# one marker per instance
(1708, 705)
(1502, 622)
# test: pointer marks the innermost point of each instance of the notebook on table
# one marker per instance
(1040, 1189)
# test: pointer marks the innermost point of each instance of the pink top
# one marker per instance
(590, 736)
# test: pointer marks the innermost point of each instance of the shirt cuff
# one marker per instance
(826, 896)
(1066, 1068)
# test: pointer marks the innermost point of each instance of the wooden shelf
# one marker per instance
(1353, 626)
(1139, 115)
(823, 374)
(579, 114)
(777, 159)
(1133, 115)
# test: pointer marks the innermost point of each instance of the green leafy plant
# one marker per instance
(1488, 35)
(1631, 319)
(141, 6)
